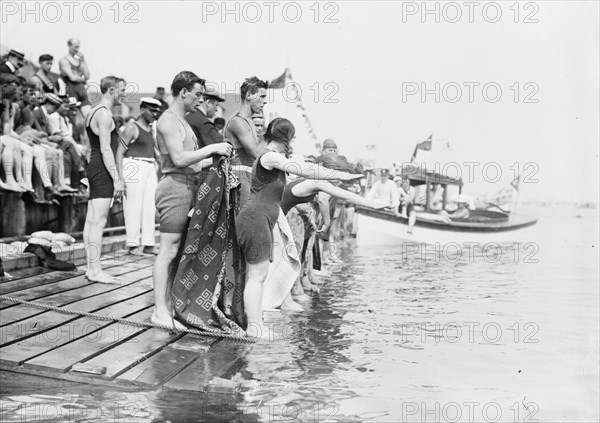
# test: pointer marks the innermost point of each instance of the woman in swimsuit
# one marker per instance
(257, 219)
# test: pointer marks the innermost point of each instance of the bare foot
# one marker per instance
(290, 305)
(100, 277)
(257, 331)
(11, 186)
(66, 188)
(308, 287)
(165, 319)
(149, 249)
(26, 187)
(301, 297)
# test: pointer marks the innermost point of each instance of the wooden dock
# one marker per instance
(82, 349)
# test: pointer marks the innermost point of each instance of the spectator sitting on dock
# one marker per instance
(41, 115)
(13, 62)
(10, 148)
(42, 78)
(51, 163)
(31, 151)
(60, 126)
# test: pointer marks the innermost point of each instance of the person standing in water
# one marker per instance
(257, 219)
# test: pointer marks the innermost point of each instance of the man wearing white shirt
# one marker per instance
(385, 190)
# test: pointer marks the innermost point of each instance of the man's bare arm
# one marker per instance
(169, 131)
(245, 138)
(104, 120)
(84, 66)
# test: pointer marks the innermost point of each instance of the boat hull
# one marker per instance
(379, 228)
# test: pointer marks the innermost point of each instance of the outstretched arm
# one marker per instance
(349, 196)
(273, 160)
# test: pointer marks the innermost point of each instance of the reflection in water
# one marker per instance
(403, 337)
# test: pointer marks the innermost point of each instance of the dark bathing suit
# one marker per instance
(241, 164)
(255, 223)
(289, 200)
(101, 183)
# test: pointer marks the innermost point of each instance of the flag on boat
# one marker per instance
(505, 198)
(515, 183)
(423, 145)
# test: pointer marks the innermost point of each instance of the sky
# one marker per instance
(387, 74)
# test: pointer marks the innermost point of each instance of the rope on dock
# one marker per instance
(65, 310)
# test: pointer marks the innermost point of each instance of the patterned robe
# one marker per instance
(206, 270)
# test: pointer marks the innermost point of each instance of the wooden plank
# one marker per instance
(33, 281)
(119, 257)
(197, 375)
(16, 275)
(38, 280)
(44, 322)
(57, 285)
(83, 327)
(62, 358)
(126, 355)
(20, 312)
(167, 362)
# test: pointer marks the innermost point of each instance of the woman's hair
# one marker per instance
(280, 130)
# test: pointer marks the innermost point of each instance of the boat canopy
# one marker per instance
(419, 176)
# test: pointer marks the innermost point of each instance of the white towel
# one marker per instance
(285, 267)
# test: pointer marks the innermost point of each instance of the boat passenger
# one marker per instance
(385, 190)
(462, 212)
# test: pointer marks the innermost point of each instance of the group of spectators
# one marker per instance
(42, 125)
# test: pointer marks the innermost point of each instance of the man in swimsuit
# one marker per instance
(105, 184)
(42, 79)
(181, 166)
(75, 73)
(240, 130)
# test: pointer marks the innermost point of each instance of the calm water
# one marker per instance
(511, 336)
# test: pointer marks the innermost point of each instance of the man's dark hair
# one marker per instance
(187, 80)
(29, 86)
(160, 88)
(252, 85)
(219, 122)
(45, 58)
(109, 82)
